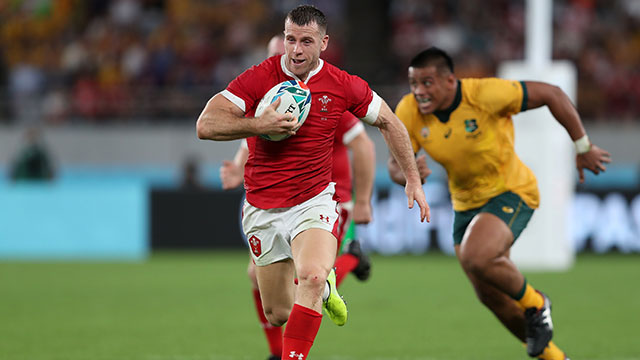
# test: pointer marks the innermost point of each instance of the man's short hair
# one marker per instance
(307, 14)
(433, 57)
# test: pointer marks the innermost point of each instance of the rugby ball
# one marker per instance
(295, 99)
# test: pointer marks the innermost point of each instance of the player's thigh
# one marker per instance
(314, 251)
(486, 237)
(314, 228)
(491, 230)
(276, 284)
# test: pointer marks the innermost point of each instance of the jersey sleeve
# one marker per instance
(405, 112)
(500, 96)
(348, 128)
(246, 90)
(362, 102)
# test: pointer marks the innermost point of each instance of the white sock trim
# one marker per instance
(326, 292)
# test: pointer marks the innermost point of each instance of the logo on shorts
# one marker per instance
(507, 209)
(256, 245)
(324, 218)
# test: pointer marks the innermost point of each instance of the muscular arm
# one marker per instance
(223, 120)
(363, 162)
(540, 94)
(397, 139)
(565, 113)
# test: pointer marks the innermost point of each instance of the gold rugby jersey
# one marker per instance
(474, 141)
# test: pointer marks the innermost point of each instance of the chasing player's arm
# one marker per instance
(364, 159)
(397, 139)
(232, 172)
(222, 120)
(396, 173)
(588, 156)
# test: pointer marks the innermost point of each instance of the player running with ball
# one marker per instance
(289, 214)
(350, 135)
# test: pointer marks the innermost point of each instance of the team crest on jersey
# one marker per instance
(256, 245)
(324, 100)
(470, 125)
(424, 132)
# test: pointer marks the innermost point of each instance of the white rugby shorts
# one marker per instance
(269, 231)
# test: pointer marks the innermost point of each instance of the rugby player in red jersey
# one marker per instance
(289, 215)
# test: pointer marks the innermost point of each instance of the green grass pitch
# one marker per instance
(197, 306)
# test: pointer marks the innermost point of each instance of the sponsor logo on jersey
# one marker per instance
(470, 125)
(424, 132)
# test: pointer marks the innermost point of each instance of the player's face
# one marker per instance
(303, 45)
(433, 91)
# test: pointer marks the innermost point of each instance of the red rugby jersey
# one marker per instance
(288, 172)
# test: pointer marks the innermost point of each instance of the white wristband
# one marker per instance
(583, 145)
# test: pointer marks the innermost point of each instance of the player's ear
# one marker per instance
(451, 79)
(325, 43)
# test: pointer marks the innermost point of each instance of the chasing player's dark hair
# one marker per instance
(433, 57)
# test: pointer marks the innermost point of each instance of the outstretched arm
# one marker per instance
(397, 139)
(364, 160)
(589, 156)
(223, 120)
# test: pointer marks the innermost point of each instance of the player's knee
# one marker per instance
(474, 264)
(277, 316)
(312, 277)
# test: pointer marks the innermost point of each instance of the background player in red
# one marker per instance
(289, 214)
(350, 135)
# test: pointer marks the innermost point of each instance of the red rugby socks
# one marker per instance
(301, 330)
(273, 333)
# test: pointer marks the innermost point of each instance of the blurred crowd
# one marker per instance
(95, 61)
(601, 37)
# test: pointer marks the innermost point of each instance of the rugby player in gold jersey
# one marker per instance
(466, 126)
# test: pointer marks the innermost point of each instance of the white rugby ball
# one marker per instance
(295, 99)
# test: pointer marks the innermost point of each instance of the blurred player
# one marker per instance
(289, 216)
(466, 126)
(349, 134)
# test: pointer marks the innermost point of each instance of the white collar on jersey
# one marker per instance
(289, 73)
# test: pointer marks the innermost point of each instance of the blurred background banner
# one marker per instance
(102, 221)
(98, 102)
